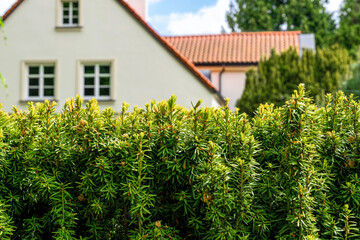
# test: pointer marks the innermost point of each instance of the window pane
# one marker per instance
(89, 69)
(75, 21)
(49, 70)
(75, 4)
(66, 13)
(89, 81)
(105, 69)
(104, 81)
(75, 13)
(34, 82)
(65, 20)
(66, 4)
(34, 70)
(33, 92)
(49, 81)
(104, 91)
(49, 92)
(89, 92)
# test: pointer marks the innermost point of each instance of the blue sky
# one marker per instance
(161, 7)
(184, 17)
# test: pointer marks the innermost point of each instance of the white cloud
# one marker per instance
(333, 5)
(5, 5)
(206, 20)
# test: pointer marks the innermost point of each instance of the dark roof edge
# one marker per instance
(290, 32)
(224, 64)
(11, 9)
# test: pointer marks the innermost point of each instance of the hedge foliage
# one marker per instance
(166, 172)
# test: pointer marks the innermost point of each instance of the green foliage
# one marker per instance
(146, 174)
(308, 161)
(348, 32)
(289, 138)
(166, 172)
(273, 81)
(265, 15)
(6, 227)
(351, 86)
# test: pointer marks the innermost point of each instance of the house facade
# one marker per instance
(225, 58)
(57, 49)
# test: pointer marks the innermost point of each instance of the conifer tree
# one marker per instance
(348, 33)
(277, 76)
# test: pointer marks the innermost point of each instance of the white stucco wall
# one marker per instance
(233, 86)
(215, 75)
(144, 68)
(232, 83)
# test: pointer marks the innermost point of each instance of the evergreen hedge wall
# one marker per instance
(166, 172)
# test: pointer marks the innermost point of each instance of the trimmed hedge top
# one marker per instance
(166, 172)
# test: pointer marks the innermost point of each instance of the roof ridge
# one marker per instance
(237, 33)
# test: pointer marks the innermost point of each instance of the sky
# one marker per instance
(186, 17)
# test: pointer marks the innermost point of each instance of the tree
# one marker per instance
(351, 86)
(277, 76)
(309, 16)
(348, 34)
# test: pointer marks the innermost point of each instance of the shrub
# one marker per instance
(166, 172)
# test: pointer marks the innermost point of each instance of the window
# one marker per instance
(40, 81)
(70, 13)
(206, 73)
(97, 81)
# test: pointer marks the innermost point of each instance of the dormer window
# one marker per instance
(70, 13)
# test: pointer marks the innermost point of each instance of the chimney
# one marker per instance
(307, 40)
(139, 6)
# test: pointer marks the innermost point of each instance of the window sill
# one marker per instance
(68, 28)
(37, 100)
(101, 100)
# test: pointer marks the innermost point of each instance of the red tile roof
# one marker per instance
(188, 64)
(234, 48)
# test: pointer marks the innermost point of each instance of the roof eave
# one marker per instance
(11, 10)
(224, 64)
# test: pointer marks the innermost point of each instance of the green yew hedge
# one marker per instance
(166, 172)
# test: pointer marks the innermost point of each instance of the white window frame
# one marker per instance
(26, 83)
(81, 79)
(60, 16)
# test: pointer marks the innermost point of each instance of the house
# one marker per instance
(225, 58)
(56, 49)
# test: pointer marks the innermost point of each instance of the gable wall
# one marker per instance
(144, 68)
(233, 81)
